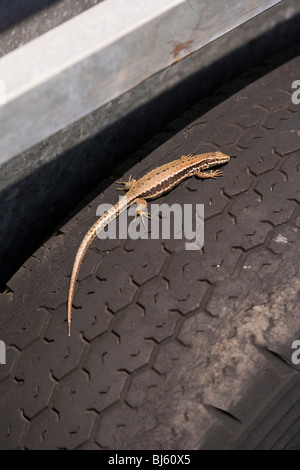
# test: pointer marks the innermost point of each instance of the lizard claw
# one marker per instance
(127, 184)
(143, 214)
(215, 174)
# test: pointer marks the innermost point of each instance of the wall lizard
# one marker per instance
(155, 183)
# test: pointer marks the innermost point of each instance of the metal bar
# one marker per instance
(95, 57)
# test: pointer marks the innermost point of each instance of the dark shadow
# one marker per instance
(13, 12)
(35, 207)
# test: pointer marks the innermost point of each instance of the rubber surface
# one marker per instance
(172, 349)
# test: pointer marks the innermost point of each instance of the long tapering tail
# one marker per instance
(87, 240)
(99, 225)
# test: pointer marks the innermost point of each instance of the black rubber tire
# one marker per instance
(172, 349)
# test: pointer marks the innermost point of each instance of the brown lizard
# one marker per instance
(152, 185)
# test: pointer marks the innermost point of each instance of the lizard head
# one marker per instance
(214, 158)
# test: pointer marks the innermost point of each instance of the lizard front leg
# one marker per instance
(207, 174)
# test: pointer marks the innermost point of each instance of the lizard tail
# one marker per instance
(89, 237)
(99, 225)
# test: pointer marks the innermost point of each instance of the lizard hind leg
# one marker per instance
(141, 210)
(184, 157)
(127, 184)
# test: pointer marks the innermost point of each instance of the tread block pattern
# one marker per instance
(167, 343)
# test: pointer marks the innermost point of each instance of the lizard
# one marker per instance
(150, 186)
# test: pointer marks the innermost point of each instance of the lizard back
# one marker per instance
(166, 177)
